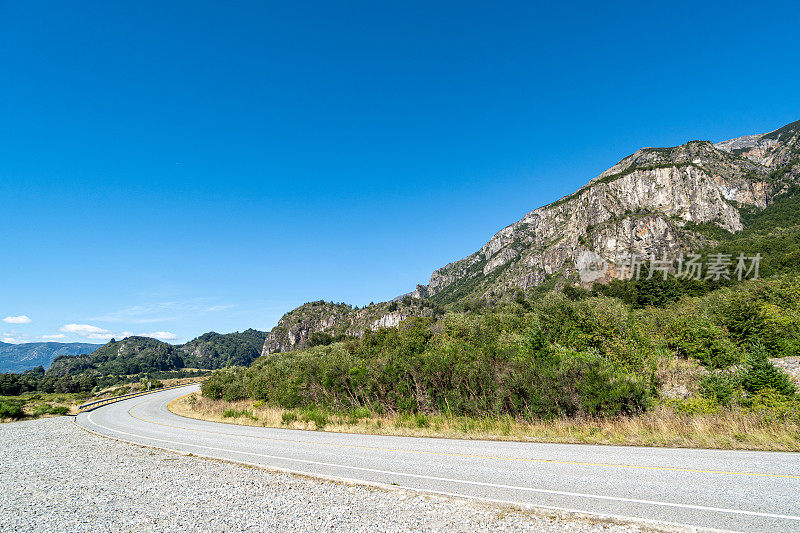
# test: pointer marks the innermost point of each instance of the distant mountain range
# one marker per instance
(20, 357)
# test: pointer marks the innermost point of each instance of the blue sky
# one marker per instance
(170, 168)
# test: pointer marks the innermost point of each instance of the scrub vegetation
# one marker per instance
(574, 367)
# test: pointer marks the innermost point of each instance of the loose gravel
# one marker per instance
(58, 477)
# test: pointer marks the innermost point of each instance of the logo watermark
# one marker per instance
(715, 267)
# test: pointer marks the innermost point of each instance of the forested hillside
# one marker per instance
(133, 358)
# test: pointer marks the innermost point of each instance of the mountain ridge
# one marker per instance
(653, 201)
(29, 355)
(640, 205)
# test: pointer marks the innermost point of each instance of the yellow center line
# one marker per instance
(472, 456)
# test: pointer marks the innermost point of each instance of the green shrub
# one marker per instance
(492, 364)
(720, 387)
(770, 403)
(315, 415)
(227, 384)
(707, 343)
(421, 420)
(765, 312)
(760, 374)
(693, 406)
(238, 413)
(43, 409)
(320, 338)
(154, 384)
(119, 391)
(11, 410)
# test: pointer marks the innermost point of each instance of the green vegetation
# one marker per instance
(47, 409)
(228, 384)
(238, 413)
(34, 405)
(214, 350)
(154, 384)
(136, 359)
(88, 380)
(11, 409)
(548, 358)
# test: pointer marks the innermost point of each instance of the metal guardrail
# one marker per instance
(105, 401)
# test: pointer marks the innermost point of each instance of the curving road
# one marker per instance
(739, 491)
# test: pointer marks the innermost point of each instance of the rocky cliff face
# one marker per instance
(648, 203)
(639, 206)
(296, 328)
(778, 151)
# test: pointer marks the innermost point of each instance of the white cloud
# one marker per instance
(9, 339)
(54, 337)
(87, 330)
(163, 335)
(21, 319)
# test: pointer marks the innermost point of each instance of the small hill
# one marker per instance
(137, 355)
(132, 355)
(321, 322)
(214, 350)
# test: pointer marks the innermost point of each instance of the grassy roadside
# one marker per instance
(37, 405)
(665, 425)
(32, 405)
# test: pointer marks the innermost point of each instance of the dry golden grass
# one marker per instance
(661, 426)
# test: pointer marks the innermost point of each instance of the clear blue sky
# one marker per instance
(180, 167)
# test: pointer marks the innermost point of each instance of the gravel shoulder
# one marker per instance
(58, 477)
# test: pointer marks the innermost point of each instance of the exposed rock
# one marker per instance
(295, 329)
(639, 206)
(648, 203)
(790, 365)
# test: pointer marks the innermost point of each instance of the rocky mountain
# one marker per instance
(25, 356)
(323, 322)
(651, 202)
(655, 201)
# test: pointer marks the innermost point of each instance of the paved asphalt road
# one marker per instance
(740, 491)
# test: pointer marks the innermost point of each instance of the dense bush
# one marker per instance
(720, 387)
(760, 375)
(47, 409)
(226, 384)
(319, 338)
(568, 354)
(10, 409)
(492, 364)
(154, 384)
